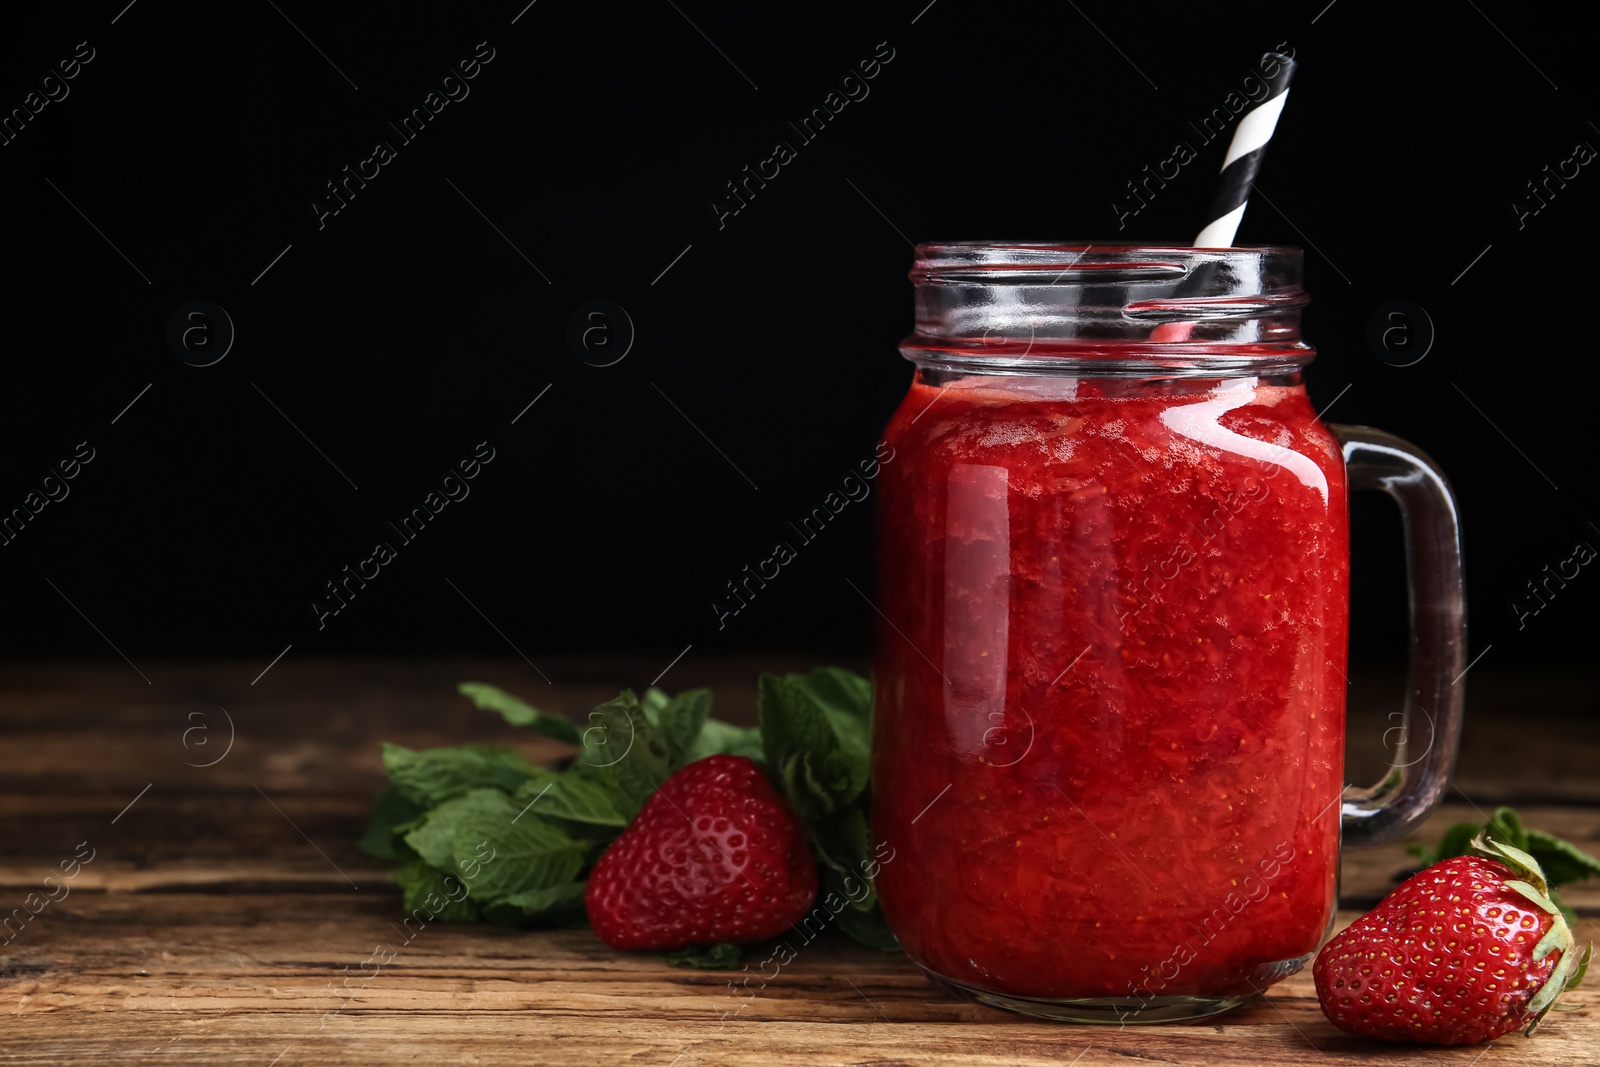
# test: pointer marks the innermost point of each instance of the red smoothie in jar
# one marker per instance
(1109, 706)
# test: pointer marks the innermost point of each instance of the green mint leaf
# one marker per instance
(621, 751)
(652, 702)
(1457, 841)
(846, 698)
(818, 771)
(499, 857)
(1562, 861)
(1505, 826)
(852, 887)
(434, 836)
(718, 738)
(552, 904)
(572, 796)
(390, 810)
(724, 956)
(435, 775)
(842, 843)
(868, 928)
(518, 712)
(431, 894)
(792, 721)
(678, 724)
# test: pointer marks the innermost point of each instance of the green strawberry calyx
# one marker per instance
(1531, 883)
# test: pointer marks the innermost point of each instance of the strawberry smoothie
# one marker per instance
(1109, 680)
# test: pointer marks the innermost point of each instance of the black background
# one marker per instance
(408, 328)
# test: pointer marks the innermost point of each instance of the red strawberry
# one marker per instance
(715, 855)
(1466, 951)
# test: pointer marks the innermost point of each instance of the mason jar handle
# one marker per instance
(1431, 729)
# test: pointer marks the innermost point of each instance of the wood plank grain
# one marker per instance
(493, 1040)
(239, 979)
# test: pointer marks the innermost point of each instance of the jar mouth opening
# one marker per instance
(996, 262)
(1028, 302)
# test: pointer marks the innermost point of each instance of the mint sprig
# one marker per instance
(518, 712)
(447, 808)
(816, 733)
(441, 774)
(1562, 862)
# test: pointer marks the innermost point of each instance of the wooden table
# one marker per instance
(225, 906)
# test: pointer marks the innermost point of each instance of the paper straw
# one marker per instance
(1239, 169)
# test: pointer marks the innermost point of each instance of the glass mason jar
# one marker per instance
(1112, 579)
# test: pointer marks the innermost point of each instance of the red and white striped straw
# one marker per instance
(1243, 162)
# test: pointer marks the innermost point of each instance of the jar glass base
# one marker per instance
(1117, 1011)
(1106, 1011)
